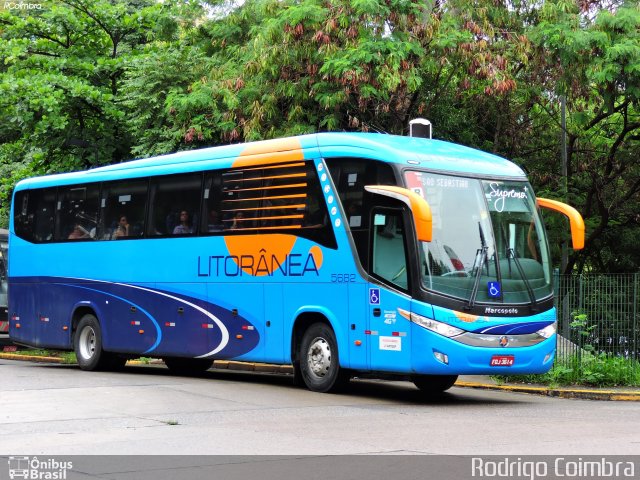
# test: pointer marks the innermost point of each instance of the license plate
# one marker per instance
(502, 360)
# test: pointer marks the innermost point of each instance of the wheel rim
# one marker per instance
(319, 357)
(87, 343)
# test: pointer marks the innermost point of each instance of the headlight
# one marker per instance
(435, 326)
(548, 331)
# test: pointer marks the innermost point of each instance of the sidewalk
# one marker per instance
(577, 392)
(466, 381)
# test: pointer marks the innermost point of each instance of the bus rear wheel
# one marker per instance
(187, 366)
(319, 362)
(87, 344)
(434, 384)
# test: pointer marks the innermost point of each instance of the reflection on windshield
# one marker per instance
(488, 243)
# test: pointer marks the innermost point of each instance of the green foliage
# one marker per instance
(92, 82)
(61, 83)
(65, 357)
(594, 370)
(594, 358)
(595, 62)
(581, 325)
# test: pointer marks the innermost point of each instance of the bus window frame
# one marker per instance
(403, 215)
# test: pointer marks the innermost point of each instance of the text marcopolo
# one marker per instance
(560, 467)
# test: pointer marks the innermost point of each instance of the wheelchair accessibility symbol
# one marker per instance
(374, 296)
(494, 289)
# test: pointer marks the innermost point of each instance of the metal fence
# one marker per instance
(598, 314)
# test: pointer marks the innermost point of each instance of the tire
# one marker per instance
(434, 384)
(187, 366)
(319, 361)
(87, 344)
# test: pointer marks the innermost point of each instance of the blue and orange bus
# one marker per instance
(339, 253)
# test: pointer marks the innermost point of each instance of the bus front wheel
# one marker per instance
(434, 384)
(87, 343)
(319, 362)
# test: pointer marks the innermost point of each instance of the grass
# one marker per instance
(66, 357)
(591, 370)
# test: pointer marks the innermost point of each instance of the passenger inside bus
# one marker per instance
(78, 232)
(184, 227)
(122, 228)
(213, 222)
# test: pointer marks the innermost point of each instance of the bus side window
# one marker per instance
(77, 212)
(175, 204)
(389, 258)
(273, 198)
(35, 214)
(212, 194)
(23, 221)
(350, 176)
(123, 200)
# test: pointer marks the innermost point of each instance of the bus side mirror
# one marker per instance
(575, 219)
(419, 207)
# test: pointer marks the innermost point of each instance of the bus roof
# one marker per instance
(422, 153)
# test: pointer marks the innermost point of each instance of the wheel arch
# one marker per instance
(306, 317)
(79, 311)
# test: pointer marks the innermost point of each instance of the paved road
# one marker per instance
(61, 410)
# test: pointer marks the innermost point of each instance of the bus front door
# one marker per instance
(388, 293)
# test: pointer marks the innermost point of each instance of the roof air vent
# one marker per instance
(420, 127)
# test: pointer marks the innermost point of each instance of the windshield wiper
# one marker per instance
(482, 253)
(512, 253)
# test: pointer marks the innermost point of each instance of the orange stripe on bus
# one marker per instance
(281, 227)
(281, 207)
(271, 167)
(275, 197)
(277, 217)
(293, 175)
(279, 150)
(273, 187)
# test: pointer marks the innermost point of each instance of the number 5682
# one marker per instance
(343, 277)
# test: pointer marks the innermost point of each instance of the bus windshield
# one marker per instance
(488, 245)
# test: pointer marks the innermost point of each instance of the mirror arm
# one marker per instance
(575, 219)
(419, 207)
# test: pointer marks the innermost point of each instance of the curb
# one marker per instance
(567, 393)
(30, 358)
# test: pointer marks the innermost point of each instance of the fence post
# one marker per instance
(635, 355)
(580, 310)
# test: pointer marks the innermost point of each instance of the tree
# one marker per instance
(592, 56)
(91, 82)
(60, 92)
(281, 68)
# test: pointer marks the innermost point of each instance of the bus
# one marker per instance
(341, 254)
